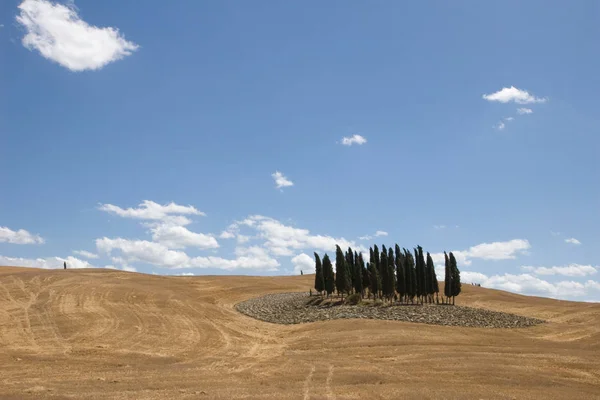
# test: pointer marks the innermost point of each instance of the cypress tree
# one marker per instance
(411, 275)
(366, 281)
(350, 266)
(358, 269)
(375, 258)
(391, 283)
(342, 278)
(419, 272)
(426, 276)
(400, 276)
(328, 275)
(319, 280)
(374, 279)
(382, 270)
(447, 279)
(455, 273)
(433, 278)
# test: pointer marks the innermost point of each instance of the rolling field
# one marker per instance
(116, 335)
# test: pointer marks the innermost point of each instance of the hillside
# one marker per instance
(111, 334)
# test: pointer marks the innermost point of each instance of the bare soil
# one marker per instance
(104, 334)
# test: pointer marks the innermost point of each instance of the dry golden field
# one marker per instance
(104, 334)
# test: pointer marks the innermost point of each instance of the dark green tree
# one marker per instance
(383, 271)
(366, 281)
(343, 282)
(447, 279)
(319, 280)
(433, 278)
(328, 275)
(400, 276)
(374, 279)
(426, 279)
(420, 273)
(411, 275)
(359, 266)
(375, 258)
(350, 266)
(455, 287)
(390, 285)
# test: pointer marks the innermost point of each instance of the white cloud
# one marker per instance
(143, 251)
(254, 258)
(129, 269)
(568, 270)
(506, 95)
(179, 237)
(376, 234)
(438, 227)
(529, 284)
(303, 262)
(283, 240)
(509, 119)
(133, 251)
(487, 251)
(85, 254)
(354, 139)
(243, 239)
(19, 237)
(572, 241)
(524, 111)
(555, 233)
(226, 235)
(149, 210)
(500, 126)
(45, 263)
(499, 250)
(280, 180)
(60, 35)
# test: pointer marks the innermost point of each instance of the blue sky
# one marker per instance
(239, 137)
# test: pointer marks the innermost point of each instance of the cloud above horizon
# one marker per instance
(281, 180)
(58, 33)
(513, 94)
(20, 236)
(354, 139)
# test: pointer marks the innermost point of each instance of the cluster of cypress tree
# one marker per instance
(391, 274)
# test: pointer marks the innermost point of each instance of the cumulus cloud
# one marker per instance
(226, 235)
(531, 285)
(567, 270)
(303, 262)
(285, 240)
(132, 251)
(281, 180)
(524, 111)
(354, 139)
(85, 254)
(500, 126)
(149, 210)
(143, 251)
(513, 94)
(487, 251)
(179, 237)
(19, 237)
(376, 234)
(573, 241)
(60, 35)
(254, 258)
(45, 263)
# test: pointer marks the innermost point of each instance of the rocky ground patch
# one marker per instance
(296, 308)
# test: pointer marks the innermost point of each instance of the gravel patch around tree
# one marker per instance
(295, 308)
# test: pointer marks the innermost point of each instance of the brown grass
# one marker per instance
(111, 334)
